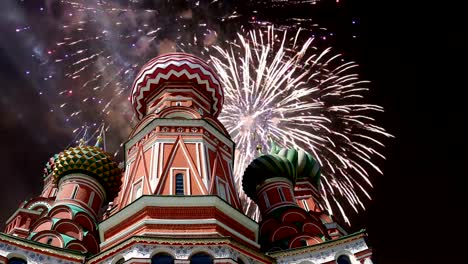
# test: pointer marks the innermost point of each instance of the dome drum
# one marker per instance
(91, 161)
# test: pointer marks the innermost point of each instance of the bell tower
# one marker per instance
(178, 180)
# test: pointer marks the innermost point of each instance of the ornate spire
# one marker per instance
(82, 141)
(100, 138)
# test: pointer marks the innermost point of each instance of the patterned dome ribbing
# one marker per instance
(281, 162)
(306, 165)
(91, 161)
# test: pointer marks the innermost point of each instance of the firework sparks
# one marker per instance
(278, 86)
(278, 90)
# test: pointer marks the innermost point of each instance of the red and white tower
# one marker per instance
(178, 179)
(178, 147)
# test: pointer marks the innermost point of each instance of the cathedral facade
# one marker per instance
(174, 199)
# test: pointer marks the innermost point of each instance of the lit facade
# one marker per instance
(174, 200)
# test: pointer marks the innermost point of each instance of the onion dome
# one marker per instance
(306, 165)
(173, 68)
(266, 167)
(92, 161)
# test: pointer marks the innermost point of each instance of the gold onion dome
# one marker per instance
(92, 161)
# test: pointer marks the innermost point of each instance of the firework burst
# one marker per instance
(276, 89)
(101, 45)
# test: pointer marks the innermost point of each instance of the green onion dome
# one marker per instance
(306, 165)
(92, 161)
(266, 167)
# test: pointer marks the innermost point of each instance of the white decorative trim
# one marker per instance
(197, 154)
(10, 250)
(150, 176)
(324, 255)
(208, 163)
(179, 123)
(161, 158)
(143, 251)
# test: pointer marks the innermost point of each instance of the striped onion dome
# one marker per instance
(92, 161)
(307, 166)
(173, 68)
(266, 167)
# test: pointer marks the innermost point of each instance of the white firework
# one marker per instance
(276, 89)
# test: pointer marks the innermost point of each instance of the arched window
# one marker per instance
(120, 261)
(240, 261)
(16, 261)
(343, 259)
(201, 258)
(162, 258)
(179, 188)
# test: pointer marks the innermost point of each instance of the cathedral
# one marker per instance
(174, 198)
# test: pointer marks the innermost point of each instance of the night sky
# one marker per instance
(405, 51)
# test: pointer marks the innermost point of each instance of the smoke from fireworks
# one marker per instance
(298, 96)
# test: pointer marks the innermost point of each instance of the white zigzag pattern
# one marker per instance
(157, 65)
(173, 61)
(171, 57)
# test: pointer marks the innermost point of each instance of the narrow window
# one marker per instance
(178, 103)
(91, 199)
(75, 190)
(179, 184)
(281, 194)
(267, 201)
(49, 241)
(304, 202)
(222, 191)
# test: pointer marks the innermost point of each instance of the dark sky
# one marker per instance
(409, 53)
